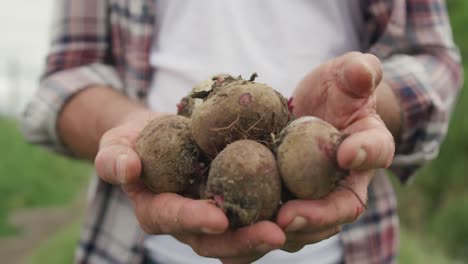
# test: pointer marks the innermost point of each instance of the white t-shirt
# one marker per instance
(280, 40)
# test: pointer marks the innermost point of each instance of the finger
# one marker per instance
(369, 146)
(169, 213)
(361, 73)
(297, 240)
(342, 89)
(250, 241)
(116, 161)
(339, 207)
(355, 78)
(118, 164)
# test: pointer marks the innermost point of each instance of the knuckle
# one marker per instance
(148, 229)
(162, 226)
(118, 141)
(119, 136)
(108, 137)
(320, 220)
(145, 226)
(147, 220)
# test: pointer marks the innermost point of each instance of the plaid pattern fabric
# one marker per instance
(108, 42)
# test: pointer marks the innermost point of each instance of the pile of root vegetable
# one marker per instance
(234, 141)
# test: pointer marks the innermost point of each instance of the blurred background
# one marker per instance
(42, 195)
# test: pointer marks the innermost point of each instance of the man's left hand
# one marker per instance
(341, 92)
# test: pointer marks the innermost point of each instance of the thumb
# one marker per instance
(340, 90)
(351, 91)
(360, 74)
(116, 161)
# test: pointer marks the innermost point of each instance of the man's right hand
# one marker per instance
(198, 223)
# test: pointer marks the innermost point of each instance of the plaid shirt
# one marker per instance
(108, 43)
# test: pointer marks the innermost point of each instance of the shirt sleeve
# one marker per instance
(422, 65)
(77, 59)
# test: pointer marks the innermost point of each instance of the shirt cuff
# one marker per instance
(39, 119)
(423, 125)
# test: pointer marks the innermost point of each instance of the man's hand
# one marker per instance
(198, 223)
(341, 92)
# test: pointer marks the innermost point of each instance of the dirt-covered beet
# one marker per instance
(238, 109)
(196, 96)
(244, 182)
(306, 154)
(171, 160)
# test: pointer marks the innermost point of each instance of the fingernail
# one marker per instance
(375, 68)
(360, 77)
(371, 72)
(122, 168)
(360, 158)
(264, 248)
(210, 231)
(298, 223)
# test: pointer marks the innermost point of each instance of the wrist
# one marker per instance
(389, 109)
(89, 114)
(115, 111)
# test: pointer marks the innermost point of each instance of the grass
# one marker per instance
(434, 206)
(32, 177)
(415, 250)
(59, 248)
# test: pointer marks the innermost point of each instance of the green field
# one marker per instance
(33, 177)
(433, 208)
(435, 204)
(59, 248)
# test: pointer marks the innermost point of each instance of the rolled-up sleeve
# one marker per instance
(422, 65)
(39, 120)
(77, 59)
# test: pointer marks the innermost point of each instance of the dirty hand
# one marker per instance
(341, 92)
(198, 223)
